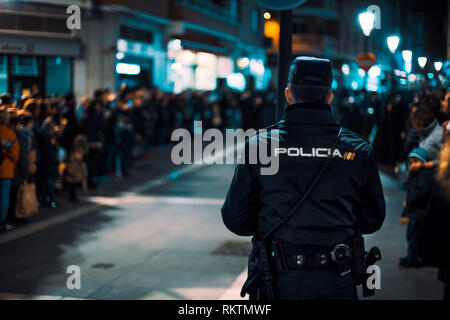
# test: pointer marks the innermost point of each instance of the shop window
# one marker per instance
(3, 75)
(58, 75)
(206, 71)
(24, 66)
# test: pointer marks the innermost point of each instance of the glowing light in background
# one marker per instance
(206, 71)
(393, 42)
(127, 68)
(176, 66)
(430, 75)
(267, 15)
(243, 62)
(345, 69)
(354, 85)
(257, 67)
(122, 45)
(412, 77)
(272, 30)
(225, 67)
(422, 61)
(120, 55)
(374, 72)
(334, 85)
(236, 81)
(174, 44)
(361, 73)
(366, 20)
(186, 57)
(438, 66)
(407, 55)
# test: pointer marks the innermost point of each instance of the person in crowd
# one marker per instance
(9, 156)
(71, 127)
(92, 126)
(440, 205)
(21, 170)
(423, 120)
(384, 145)
(75, 172)
(420, 183)
(126, 142)
(48, 168)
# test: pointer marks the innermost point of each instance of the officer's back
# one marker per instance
(348, 196)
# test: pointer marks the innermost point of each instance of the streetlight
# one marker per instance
(422, 62)
(393, 42)
(438, 66)
(366, 20)
(407, 57)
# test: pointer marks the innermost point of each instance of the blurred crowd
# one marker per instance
(409, 132)
(60, 145)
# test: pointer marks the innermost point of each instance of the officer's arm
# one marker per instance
(239, 212)
(373, 205)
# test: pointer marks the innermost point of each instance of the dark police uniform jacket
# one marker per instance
(348, 195)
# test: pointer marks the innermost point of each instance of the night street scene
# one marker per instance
(244, 151)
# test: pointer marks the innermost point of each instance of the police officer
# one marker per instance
(347, 198)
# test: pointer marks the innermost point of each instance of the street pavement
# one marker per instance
(159, 235)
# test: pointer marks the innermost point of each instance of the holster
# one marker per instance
(259, 284)
(362, 260)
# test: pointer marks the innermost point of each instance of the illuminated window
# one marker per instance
(186, 57)
(205, 78)
(3, 75)
(58, 73)
(225, 67)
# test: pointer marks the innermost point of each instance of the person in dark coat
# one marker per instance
(385, 141)
(420, 184)
(21, 169)
(48, 167)
(92, 126)
(71, 128)
(349, 195)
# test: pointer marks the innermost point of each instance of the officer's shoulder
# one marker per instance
(270, 132)
(357, 141)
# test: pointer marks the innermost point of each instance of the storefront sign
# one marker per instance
(11, 47)
(44, 47)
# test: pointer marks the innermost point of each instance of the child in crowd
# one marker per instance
(420, 184)
(75, 173)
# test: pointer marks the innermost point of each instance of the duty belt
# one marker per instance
(340, 255)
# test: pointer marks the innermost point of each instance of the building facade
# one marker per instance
(171, 44)
(330, 29)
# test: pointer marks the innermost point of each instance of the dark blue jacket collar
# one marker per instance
(309, 113)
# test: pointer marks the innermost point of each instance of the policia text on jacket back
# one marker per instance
(329, 201)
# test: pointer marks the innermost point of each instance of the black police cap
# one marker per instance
(310, 71)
